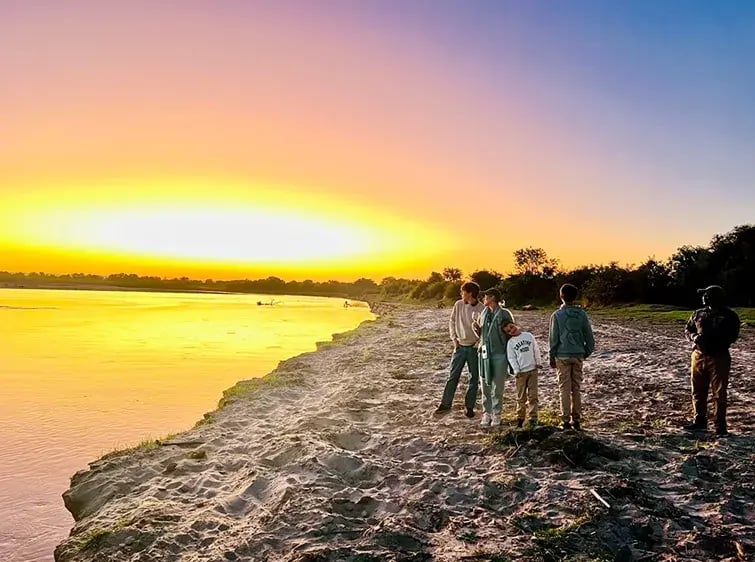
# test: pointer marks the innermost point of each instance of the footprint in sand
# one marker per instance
(365, 507)
(350, 440)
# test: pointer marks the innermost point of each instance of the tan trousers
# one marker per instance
(526, 391)
(710, 372)
(570, 387)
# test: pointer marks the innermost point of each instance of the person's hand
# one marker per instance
(553, 363)
(456, 345)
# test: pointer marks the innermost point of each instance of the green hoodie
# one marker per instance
(492, 334)
(571, 333)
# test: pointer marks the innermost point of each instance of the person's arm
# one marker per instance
(536, 352)
(553, 340)
(690, 330)
(480, 321)
(733, 332)
(452, 325)
(505, 317)
(513, 362)
(589, 338)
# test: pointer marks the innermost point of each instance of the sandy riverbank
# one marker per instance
(339, 458)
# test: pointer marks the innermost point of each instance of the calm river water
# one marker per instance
(85, 372)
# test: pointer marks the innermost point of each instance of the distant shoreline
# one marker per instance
(84, 287)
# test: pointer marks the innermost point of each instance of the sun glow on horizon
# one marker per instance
(216, 227)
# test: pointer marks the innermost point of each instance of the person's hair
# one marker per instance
(495, 293)
(472, 288)
(508, 323)
(568, 292)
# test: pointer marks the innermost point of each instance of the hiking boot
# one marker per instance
(576, 426)
(495, 420)
(442, 410)
(566, 426)
(695, 426)
(519, 423)
(486, 419)
(469, 413)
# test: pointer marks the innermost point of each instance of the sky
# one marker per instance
(340, 139)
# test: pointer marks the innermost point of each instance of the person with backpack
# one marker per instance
(712, 330)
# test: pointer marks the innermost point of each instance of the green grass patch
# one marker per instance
(246, 389)
(571, 542)
(145, 446)
(95, 538)
(482, 555)
(468, 535)
(662, 312)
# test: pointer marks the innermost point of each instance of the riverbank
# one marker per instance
(337, 457)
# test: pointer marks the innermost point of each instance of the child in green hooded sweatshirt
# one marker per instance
(571, 342)
(494, 363)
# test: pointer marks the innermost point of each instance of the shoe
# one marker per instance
(722, 431)
(486, 419)
(576, 426)
(566, 426)
(696, 426)
(532, 424)
(495, 420)
(469, 413)
(441, 410)
(519, 423)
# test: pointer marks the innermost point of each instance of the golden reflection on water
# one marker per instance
(84, 372)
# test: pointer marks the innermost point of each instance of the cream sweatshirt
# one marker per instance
(460, 323)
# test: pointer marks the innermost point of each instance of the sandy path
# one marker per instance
(347, 463)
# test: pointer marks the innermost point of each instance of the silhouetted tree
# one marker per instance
(487, 279)
(534, 261)
(452, 274)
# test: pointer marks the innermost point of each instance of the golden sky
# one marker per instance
(337, 140)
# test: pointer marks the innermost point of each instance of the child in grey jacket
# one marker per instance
(571, 342)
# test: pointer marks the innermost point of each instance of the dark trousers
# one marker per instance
(710, 373)
(463, 355)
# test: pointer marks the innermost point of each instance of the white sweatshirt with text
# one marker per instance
(524, 353)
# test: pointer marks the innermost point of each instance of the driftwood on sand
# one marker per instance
(341, 459)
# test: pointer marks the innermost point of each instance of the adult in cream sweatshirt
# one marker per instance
(464, 339)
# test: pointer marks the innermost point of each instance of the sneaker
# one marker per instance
(722, 431)
(469, 413)
(495, 420)
(576, 426)
(696, 426)
(519, 423)
(441, 410)
(566, 426)
(486, 419)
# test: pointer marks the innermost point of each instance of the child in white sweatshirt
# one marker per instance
(524, 358)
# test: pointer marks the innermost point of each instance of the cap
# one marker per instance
(711, 289)
(493, 292)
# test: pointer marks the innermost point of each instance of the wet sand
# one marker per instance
(340, 458)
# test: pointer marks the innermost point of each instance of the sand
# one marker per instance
(342, 459)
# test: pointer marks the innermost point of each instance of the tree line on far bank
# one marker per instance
(729, 260)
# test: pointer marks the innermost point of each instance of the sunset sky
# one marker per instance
(339, 139)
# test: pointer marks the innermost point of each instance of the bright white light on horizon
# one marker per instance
(216, 234)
